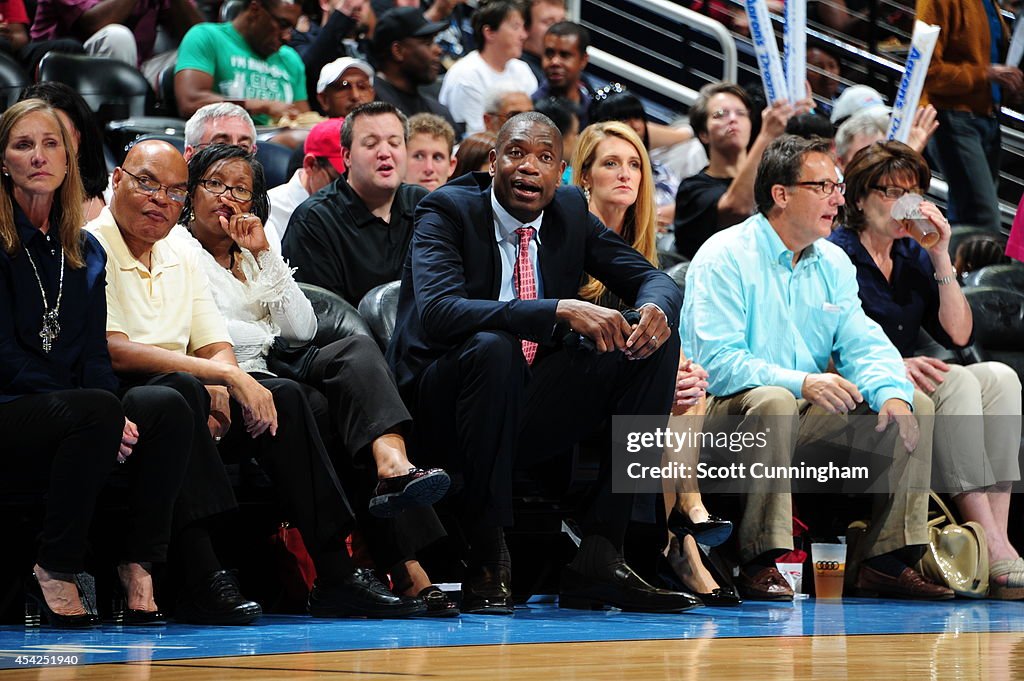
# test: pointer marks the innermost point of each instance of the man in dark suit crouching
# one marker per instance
(488, 299)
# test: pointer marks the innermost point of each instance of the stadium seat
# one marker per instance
(379, 309)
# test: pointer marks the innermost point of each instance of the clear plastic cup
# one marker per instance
(907, 210)
(829, 562)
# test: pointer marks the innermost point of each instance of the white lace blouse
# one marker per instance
(268, 304)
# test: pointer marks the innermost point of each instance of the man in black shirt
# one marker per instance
(407, 58)
(722, 194)
(353, 234)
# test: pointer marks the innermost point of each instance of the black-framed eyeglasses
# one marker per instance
(151, 186)
(282, 23)
(826, 187)
(216, 187)
(894, 192)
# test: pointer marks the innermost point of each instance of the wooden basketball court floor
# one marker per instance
(856, 639)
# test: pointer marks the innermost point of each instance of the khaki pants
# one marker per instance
(898, 519)
(977, 427)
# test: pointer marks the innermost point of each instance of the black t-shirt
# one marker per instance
(697, 210)
(335, 242)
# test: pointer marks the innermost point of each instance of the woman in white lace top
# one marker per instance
(226, 207)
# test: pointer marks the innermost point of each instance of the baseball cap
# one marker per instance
(855, 99)
(332, 71)
(400, 23)
(324, 141)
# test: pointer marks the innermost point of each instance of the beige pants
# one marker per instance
(898, 519)
(977, 427)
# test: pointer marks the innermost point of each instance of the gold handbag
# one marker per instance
(957, 554)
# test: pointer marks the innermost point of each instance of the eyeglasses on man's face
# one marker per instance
(824, 187)
(216, 187)
(150, 186)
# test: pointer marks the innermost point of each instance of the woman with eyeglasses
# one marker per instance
(612, 167)
(907, 287)
(255, 291)
(58, 407)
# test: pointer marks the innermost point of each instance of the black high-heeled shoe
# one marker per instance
(711, 532)
(130, 617)
(36, 609)
(722, 597)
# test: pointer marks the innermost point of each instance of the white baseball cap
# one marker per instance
(333, 71)
(855, 99)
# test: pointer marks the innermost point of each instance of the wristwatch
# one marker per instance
(948, 279)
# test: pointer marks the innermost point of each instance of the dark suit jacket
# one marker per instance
(450, 282)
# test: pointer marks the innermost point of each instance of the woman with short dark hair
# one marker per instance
(906, 286)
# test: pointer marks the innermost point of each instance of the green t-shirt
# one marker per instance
(238, 72)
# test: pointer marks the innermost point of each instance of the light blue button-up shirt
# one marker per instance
(751, 318)
(505, 227)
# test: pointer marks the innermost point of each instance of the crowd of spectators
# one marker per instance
(464, 155)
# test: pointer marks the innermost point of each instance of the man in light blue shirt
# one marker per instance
(769, 305)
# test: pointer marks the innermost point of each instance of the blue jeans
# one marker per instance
(967, 147)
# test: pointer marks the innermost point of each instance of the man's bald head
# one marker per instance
(142, 207)
(525, 120)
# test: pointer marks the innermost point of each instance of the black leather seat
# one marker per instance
(678, 274)
(999, 324)
(1009, 275)
(335, 318)
(177, 140)
(122, 135)
(669, 259)
(168, 102)
(379, 309)
(12, 80)
(274, 158)
(111, 88)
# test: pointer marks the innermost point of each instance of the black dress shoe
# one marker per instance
(711, 532)
(37, 609)
(418, 487)
(722, 597)
(217, 600)
(623, 589)
(437, 602)
(487, 591)
(361, 594)
(129, 617)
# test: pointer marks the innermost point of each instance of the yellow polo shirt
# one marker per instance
(168, 306)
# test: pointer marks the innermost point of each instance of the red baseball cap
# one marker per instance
(324, 141)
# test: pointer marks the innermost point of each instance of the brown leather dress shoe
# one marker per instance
(487, 591)
(910, 584)
(767, 584)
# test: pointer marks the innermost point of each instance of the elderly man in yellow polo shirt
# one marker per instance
(163, 328)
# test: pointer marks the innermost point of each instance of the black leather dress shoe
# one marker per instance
(418, 487)
(219, 601)
(711, 532)
(361, 594)
(623, 589)
(487, 591)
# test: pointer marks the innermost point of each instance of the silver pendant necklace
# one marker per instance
(51, 324)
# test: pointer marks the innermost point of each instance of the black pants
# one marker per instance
(205, 489)
(362, 404)
(297, 462)
(480, 409)
(80, 430)
(361, 394)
